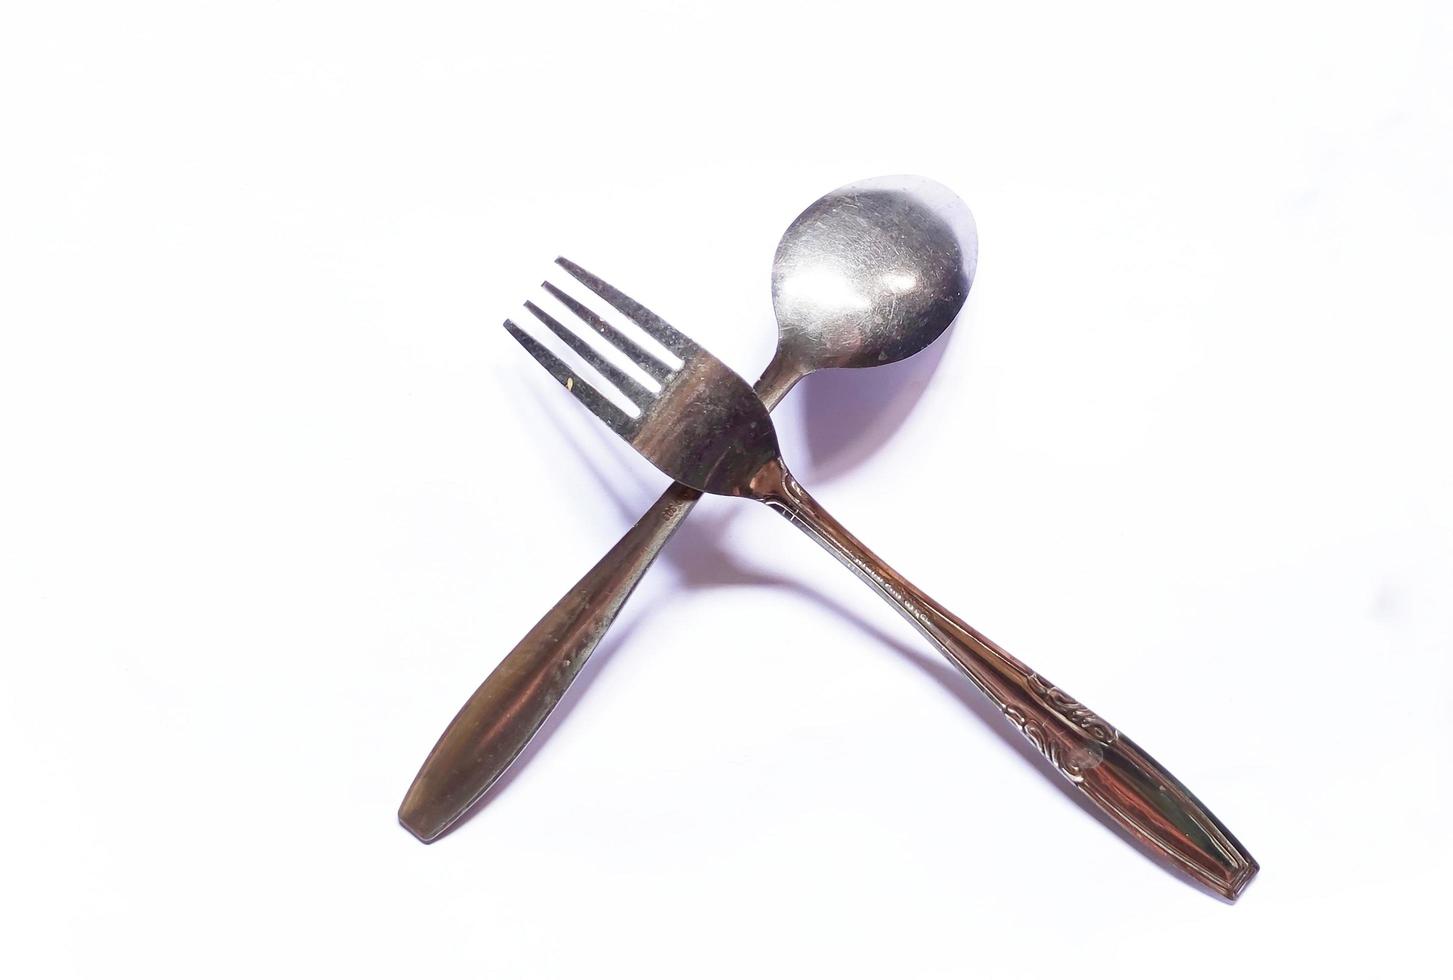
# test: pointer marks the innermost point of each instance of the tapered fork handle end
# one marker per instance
(415, 817)
(507, 710)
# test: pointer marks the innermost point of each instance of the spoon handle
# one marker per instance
(1135, 791)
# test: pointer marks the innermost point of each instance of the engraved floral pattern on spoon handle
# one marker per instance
(1126, 783)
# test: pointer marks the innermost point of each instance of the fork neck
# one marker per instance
(779, 378)
(772, 485)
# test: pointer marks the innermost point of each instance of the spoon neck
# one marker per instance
(778, 378)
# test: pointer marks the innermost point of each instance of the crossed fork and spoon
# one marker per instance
(868, 275)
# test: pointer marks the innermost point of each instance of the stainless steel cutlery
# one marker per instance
(870, 274)
(705, 427)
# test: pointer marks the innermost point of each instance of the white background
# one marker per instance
(278, 492)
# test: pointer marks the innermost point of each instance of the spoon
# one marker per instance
(871, 273)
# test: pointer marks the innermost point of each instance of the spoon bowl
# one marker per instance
(871, 273)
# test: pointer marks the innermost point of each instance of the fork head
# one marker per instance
(701, 424)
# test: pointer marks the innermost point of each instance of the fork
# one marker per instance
(703, 426)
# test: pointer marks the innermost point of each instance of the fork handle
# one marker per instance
(506, 711)
(1133, 789)
(501, 717)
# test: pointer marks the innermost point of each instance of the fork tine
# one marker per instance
(643, 358)
(668, 336)
(600, 406)
(634, 392)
